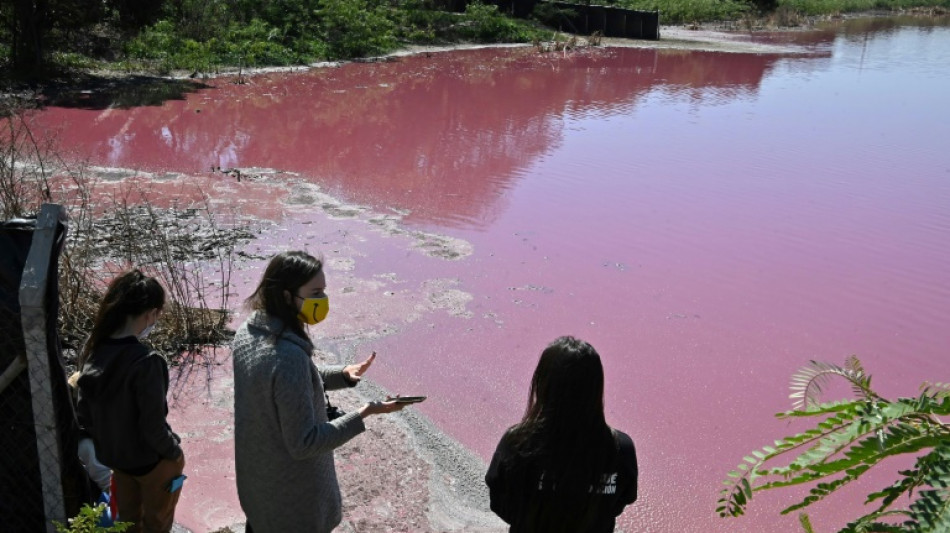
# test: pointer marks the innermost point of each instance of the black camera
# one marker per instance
(334, 412)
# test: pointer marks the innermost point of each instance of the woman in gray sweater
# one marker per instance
(285, 430)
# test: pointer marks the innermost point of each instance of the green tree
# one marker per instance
(355, 28)
(29, 26)
(136, 14)
(854, 436)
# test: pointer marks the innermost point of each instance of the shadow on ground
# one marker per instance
(94, 92)
(88, 91)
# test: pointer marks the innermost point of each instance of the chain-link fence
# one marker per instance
(41, 478)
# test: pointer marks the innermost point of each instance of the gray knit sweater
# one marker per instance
(283, 443)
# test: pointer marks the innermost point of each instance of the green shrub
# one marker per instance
(683, 11)
(154, 42)
(72, 60)
(484, 23)
(193, 56)
(415, 23)
(310, 49)
(201, 20)
(353, 28)
(87, 521)
(852, 437)
(550, 15)
(255, 44)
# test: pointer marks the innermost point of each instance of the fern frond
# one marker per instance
(806, 523)
(911, 479)
(824, 408)
(738, 491)
(931, 511)
(808, 383)
(850, 438)
(861, 384)
(870, 524)
(880, 431)
(935, 390)
(821, 490)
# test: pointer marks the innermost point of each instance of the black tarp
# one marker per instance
(21, 490)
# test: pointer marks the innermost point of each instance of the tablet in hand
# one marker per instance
(408, 399)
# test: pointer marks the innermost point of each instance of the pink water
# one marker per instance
(709, 222)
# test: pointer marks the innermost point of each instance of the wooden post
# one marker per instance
(33, 317)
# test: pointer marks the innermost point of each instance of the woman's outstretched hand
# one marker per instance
(355, 372)
(379, 408)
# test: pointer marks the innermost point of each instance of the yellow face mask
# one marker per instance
(314, 310)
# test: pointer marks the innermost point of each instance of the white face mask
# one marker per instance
(148, 329)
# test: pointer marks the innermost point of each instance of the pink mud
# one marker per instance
(709, 222)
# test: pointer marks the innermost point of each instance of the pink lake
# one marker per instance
(710, 222)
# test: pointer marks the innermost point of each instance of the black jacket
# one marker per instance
(521, 495)
(122, 405)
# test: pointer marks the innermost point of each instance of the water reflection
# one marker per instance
(96, 92)
(856, 30)
(443, 136)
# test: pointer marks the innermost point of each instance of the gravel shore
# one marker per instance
(401, 474)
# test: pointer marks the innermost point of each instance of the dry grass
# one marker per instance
(186, 247)
(23, 160)
(565, 43)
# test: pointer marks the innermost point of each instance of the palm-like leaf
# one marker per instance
(852, 437)
(935, 389)
(809, 382)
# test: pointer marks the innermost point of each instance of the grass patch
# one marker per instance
(338, 29)
(832, 7)
(199, 36)
(686, 11)
(480, 23)
(690, 11)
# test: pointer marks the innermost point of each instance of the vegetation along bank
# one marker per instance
(43, 39)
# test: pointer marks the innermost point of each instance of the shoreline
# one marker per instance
(722, 36)
(729, 36)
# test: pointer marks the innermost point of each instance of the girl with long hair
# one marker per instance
(285, 429)
(562, 468)
(122, 405)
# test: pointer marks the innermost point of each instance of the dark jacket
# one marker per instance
(122, 405)
(521, 495)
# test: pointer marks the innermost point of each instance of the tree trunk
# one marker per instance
(29, 28)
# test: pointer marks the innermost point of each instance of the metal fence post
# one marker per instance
(33, 299)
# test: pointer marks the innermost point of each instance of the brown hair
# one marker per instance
(129, 295)
(287, 271)
(564, 429)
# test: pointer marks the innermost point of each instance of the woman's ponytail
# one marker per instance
(129, 295)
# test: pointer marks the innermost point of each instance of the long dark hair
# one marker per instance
(563, 429)
(128, 295)
(287, 271)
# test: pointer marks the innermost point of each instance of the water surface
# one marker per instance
(710, 222)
